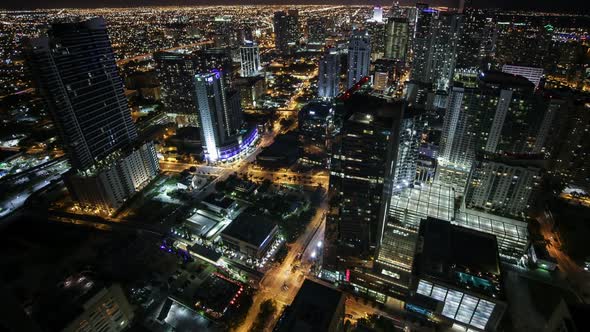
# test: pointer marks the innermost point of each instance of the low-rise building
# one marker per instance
(250, 233)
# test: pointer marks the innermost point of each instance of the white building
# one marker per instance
(249, 60)
(359, 56)
(532, 74)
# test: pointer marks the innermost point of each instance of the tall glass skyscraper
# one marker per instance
(75, 73)
(74, 67)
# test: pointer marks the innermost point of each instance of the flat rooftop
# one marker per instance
(250, 227)
(312, 309)
(459, 255)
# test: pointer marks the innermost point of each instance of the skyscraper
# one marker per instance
(359, 57)
(75, 69)
(220, 116)
(249, 59)
(495, 114)
(422, 44)
(435, 48)
(75, 72)
(397, 35)
(286, 27)
(329, 74)
(361, 168)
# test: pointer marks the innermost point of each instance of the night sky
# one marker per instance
(559, 5)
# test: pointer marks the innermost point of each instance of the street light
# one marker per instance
(320, 244)
(313, 254)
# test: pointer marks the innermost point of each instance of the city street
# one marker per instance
(272, 285)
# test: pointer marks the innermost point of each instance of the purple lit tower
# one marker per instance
(220, 114)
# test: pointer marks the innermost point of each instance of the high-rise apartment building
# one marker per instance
(397, 37)
(435, 48)
(75, 72)
(359, 57)
(249, 60)
(498, 113)
(286, 27)
(329, 74)
(503, 185)
(175, 72)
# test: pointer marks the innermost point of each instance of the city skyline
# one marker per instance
(328, 168)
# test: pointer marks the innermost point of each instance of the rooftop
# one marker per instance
(312, 309)
(459, 255)
(250, 227)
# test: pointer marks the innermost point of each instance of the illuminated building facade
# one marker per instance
(397, 37)
(359, 57)
(249, 60)
(220, 119)
(75, 71)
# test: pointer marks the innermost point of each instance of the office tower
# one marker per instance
(175, 72)
(359, 168)
(249, 59)
(397, 36)
(570, 143)
(316, 128)
(503, 185)
(444, 53)
(498, 113)
(286, 27)
(220, 114)
(317, 30)
(329, 74)
(359, 57)
(75, 72)
(251, 90)
(530, 73)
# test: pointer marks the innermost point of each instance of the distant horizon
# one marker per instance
(572, 6)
